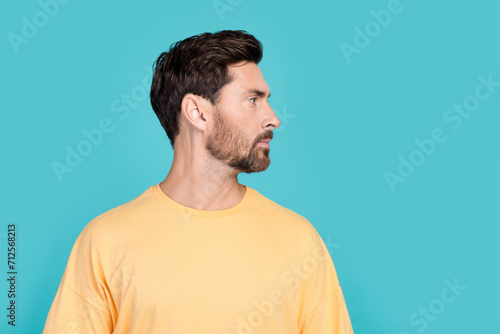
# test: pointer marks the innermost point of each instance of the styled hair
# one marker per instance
(197, 65)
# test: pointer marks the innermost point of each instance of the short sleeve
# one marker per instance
(82, 303)
(323, 309)
(330, 317)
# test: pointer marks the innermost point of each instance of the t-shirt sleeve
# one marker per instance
(323, 308)
(329, 317)
(82, 303)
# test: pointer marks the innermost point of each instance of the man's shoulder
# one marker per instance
(124, 214)
(291, 225)
(280, 213)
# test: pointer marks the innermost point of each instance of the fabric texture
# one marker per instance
(152, 265)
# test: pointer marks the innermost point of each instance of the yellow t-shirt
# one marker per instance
(153, 265)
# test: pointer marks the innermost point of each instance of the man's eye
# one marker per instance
(252, 99)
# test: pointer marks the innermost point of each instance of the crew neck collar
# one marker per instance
(242, 204)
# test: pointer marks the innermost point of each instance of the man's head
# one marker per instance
(209, 86)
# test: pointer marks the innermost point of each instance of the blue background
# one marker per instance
(345, 120)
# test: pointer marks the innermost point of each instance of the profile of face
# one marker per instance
(242, 119)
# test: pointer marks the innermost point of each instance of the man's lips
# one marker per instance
(265, 142)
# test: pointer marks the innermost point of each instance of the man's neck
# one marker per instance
(203, 190)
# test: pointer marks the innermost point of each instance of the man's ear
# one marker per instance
(194, 110)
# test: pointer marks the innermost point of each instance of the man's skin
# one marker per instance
(209, 152)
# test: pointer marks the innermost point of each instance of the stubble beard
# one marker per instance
(235, 150)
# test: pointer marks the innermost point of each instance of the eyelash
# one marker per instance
(253, 98)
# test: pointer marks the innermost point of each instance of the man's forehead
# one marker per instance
(247, 78)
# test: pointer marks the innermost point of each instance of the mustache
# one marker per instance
(266, 135)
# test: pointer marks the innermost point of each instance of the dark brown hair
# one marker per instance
(197, 65)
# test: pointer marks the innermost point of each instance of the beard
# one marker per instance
(235, 150)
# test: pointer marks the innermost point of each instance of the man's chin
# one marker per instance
(258, 168)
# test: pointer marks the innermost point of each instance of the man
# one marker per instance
(199, 252)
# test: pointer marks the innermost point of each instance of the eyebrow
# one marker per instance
(257, 92)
